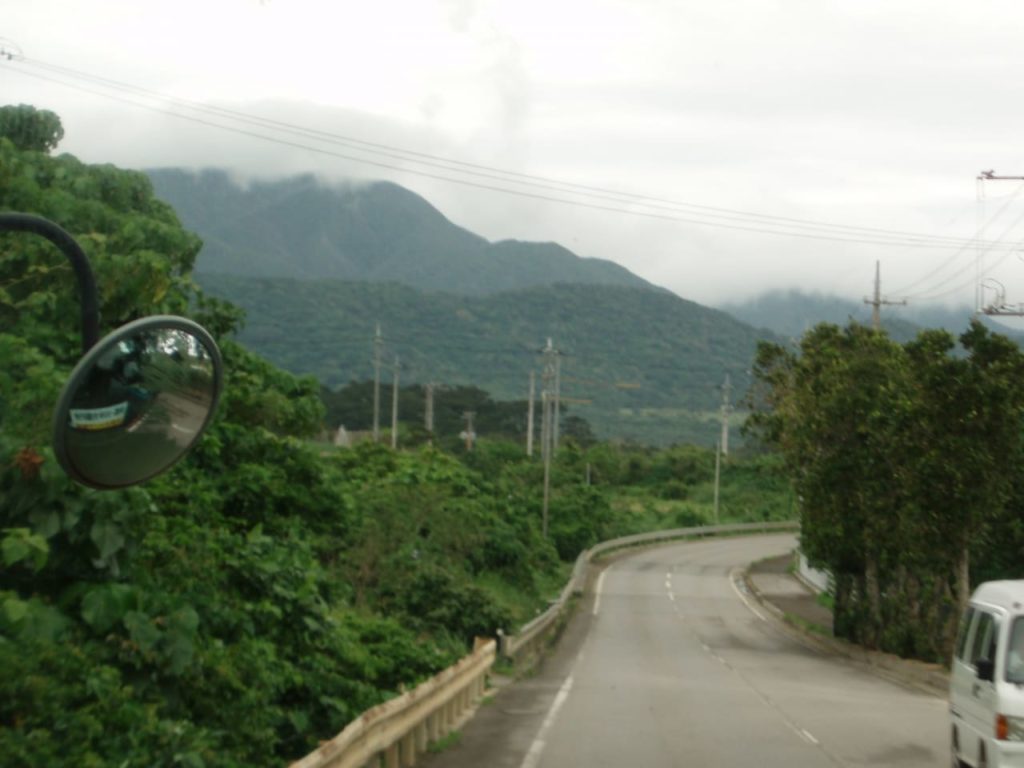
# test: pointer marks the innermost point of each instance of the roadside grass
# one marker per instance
(808, 626)
(445, 742)
(747, 494)
(519, 602)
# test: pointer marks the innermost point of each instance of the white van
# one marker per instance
(986, 696)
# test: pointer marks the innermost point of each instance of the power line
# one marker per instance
(754, 222)
(956, 254)
(1012, 248)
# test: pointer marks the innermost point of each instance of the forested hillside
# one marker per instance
(307, 229)
(253, 600)
(649, 363)
(249, 603)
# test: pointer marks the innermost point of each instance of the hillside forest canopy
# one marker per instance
(269, 588)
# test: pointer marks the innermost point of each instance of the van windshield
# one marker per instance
(1015, 652)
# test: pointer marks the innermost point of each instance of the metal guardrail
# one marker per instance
(396, 732)
(530, 638)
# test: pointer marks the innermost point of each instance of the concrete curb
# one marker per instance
(929, 678)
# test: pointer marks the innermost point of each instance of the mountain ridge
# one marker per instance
(301, 227)
(790, 312)
(639, 364)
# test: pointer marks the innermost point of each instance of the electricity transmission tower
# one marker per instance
(999, 307)
(877, 302)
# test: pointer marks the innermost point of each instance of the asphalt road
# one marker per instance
(666, 664)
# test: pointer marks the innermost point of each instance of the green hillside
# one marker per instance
(376, 232)
(650, 362)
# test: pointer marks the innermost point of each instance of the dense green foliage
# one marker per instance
(906, 459)
(351, 406)
(251, 601)
(378, 232)
(650, 362)
(258, 596)
(29, 128)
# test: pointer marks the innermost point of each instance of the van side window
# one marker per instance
(984, 643)
(961, 638)
(1015, 652)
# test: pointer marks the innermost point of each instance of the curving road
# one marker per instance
(666, 664)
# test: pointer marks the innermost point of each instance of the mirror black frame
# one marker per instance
(84, 368)
(87, 296)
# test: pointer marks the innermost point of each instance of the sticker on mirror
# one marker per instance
(99, 418)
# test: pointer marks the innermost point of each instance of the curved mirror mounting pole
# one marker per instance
(23, 222)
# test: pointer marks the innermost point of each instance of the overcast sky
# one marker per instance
(856, 113)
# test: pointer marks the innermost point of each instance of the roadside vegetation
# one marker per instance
(270, 587)
(906, 460)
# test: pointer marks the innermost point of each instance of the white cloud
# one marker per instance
(872, 113)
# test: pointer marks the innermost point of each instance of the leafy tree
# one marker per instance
(904, 459)
(36, 130)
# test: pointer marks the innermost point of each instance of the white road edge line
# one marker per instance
(597, 591)
(537, 747)
(732, 582)
(808, 735)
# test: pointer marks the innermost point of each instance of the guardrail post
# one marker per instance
(408, 750)
(391, 757)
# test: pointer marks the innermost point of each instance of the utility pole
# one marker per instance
(877, 302)
(378, 342)
(394, 407)
(999, 307)
(549, 377)
(557, 404)
(546, 454)
(469, 434)
(726, 408)
(529, 419)
(428, 413)
(718, 471)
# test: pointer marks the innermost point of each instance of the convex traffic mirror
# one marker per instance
(137, 402)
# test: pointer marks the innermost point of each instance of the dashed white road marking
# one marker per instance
(807, 735)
